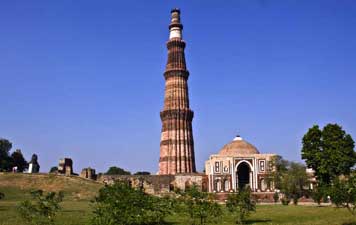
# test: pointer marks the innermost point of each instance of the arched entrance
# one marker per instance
(243, 175)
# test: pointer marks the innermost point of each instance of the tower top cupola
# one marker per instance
(175, 27)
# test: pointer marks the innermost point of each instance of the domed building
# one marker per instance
(238, 165)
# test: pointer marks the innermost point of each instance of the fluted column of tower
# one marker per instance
(177, 145)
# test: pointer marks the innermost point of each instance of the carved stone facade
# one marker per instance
(240, 165)
(177, 144)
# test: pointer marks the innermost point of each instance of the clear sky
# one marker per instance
(84, 79)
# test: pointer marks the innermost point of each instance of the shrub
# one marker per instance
(42, 210)
(317, 195)
(198, 205)
(241, 205)
(121, 204)
(285, 200)
(275, 197)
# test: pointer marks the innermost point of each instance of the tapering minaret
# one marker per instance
(177, 145)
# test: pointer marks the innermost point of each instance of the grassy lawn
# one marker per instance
(78, 192)
(78, 213)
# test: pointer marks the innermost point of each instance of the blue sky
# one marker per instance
(84, 79)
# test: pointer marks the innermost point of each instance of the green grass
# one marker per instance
(279, 214)
(76, 207)
(79, 213)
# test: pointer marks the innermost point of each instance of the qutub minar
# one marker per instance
(238, 164)
(177, 144)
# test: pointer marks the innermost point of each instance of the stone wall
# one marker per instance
(159, 184)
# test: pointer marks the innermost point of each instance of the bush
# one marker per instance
(285, 201)
(54, 169)
(241, 205)
(317, 195)
(117, 171)
(275, 197)
(121, 204)
(343, 193)
(42, 210)
(198, 205)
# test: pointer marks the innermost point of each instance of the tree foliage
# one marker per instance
(5, 159)
(117, 171)
(120, 204)
(241, 205)
(42, 210)
(330, 152)
(280, 166)
(343, 193)
(53, 169)
(19, 161)
(142, 173)
(294, 181)
(289, 177)
(198, 206)
(318, 194)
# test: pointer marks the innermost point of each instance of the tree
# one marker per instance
(53, 169)
(343, 193)
(294, 181)
(329, 152)
(142, 173)
(42, 210)
(198, 205)
(275, 197)
(35, 166)
(280, 166)
(19, 161)
(117, 171)
(5, 159)
(241, 205)
(120, 204)
(317, 194)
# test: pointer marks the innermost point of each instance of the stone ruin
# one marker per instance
(88, 173)
(159, 184)
(65, 166)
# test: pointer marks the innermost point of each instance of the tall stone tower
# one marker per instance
(177, 145)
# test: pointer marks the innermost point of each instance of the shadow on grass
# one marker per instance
(260, 221)
(349, 223)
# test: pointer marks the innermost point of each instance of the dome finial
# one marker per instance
(237, 138)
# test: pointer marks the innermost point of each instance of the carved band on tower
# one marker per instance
(177, 145)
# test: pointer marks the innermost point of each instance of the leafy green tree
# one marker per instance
(5, 159)
(42, 210)
(318, 193)
(117, 171)
(330, 152)
(53, 169)
(241, 205)
(198, 205)
(294, 181)
(280, 166)
(343, 193)
(120, 204)
(19, 161)
(142, 173)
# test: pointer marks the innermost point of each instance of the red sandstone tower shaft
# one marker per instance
(177, 145)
